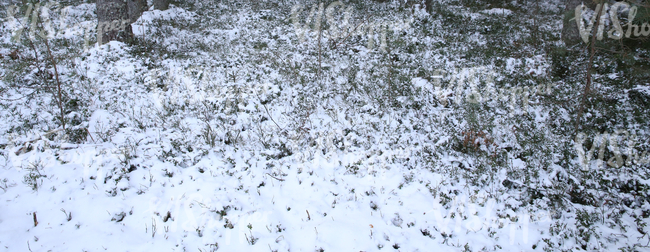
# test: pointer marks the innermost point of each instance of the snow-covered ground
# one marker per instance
(241, 201)
(221, 131)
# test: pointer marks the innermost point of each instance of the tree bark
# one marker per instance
(428, 6)
(136, 8)
(114, 19)
(161, 4)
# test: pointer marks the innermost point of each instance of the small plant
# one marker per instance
(167, 217)
(32, 179)
(222, 212)
(119, 217)
(252, 239)
(467, 248)
(168, 173)
(104, 131)
(154, 227)
(4, 185)
(213, 247)
(209, 135)
(127, 152)
(228, 224)
(68, 216)
(471, 139)
(585, 227)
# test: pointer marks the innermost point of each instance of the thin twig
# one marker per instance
(38, 66)
(34, 215)
(350, 33)
(591, 61)
(91, 136)
(56, 73)
(274, 177)
(58, 83)
(267, 112)
(320, 31)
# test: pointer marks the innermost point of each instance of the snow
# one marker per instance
(497, 11)
(227, 132)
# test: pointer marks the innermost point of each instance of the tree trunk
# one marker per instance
(115, 17)
(428, 4)
(161, 4)
(136, 8)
